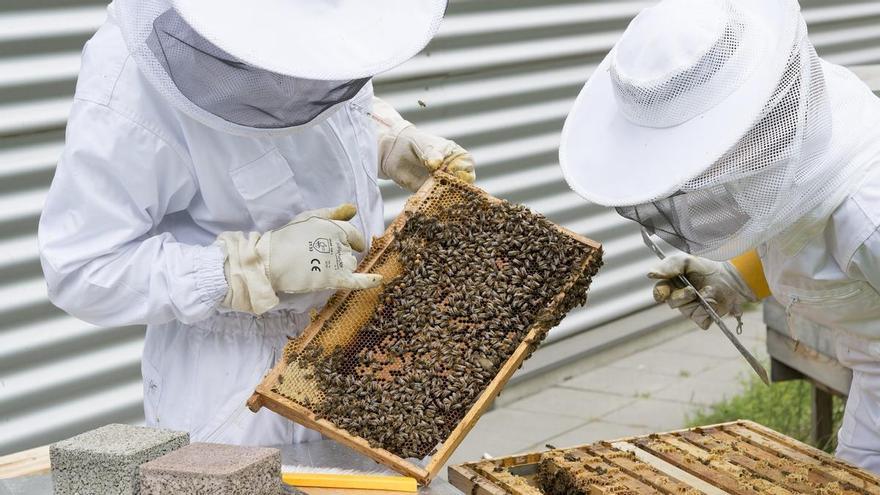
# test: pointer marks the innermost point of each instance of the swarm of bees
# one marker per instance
(568, 473)
(476, 278)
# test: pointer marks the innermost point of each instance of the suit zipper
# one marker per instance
(233, 418)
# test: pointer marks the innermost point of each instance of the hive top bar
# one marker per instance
(210, 459)
(117, 439)
(738, 458)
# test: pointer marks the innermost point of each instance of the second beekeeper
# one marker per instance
(219, 172)
(715, 125)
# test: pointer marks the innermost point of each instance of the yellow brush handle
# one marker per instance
(352, 481)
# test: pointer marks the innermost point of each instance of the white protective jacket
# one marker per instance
(829, 273)
(139, 196)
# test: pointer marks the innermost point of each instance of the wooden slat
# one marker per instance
(735, 458)
(469, 481)
(27, 463)
(697, 485)
(781, 462)
(597, 463)
(597, 477)
(840, 469)
(809, 362)
(819, 455)
(632, 466)
(504, 479)
(681, 459)
(755, 480)
(842, 472)
(758, 466)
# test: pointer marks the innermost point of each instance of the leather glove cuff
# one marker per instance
(737, 282)
(250, 289)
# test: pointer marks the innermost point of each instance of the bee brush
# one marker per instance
(316, 477)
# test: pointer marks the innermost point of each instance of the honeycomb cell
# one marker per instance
(467, 279)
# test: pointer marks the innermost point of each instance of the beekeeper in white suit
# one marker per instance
(714, 124)
(219, 171)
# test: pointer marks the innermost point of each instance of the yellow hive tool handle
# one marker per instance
(351, 481)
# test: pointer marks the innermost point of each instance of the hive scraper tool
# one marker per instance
(759, 369)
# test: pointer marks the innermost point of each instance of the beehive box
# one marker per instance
(736, 458)
(401, 373)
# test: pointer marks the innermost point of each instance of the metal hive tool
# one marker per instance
(403, 372)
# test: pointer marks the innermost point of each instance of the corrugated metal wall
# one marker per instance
(499, 79)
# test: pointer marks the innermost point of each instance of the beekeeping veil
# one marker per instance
(714, 124)
(243, 67)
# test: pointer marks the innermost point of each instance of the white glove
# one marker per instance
(311, 253)
(408, 156)
(719, 283)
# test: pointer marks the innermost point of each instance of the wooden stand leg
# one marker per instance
(781, 372)
(822, 416)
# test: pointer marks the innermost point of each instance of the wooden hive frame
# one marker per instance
(265, 397)
(683, 461)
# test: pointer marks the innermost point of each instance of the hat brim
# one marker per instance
(339, 40)
(611, 161)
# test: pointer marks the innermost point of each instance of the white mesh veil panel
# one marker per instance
(672, 100)
(767, 181)
(235, 91)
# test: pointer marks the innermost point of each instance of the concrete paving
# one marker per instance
(655, 388)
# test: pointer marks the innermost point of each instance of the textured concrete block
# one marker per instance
(208, 468)
(105, 461)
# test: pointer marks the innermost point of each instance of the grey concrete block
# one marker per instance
(208, 468)
(105, 461)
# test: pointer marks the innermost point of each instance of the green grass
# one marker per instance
(784, 407)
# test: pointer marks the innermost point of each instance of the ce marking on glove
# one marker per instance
(316, 264)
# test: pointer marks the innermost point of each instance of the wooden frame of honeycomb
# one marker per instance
(346, 327)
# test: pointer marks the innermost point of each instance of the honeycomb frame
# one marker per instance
(378, 260)
(737, 458)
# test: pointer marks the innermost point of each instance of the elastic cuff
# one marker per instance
(381, 173)
(388, 140)
(749, 271)
(211, 285)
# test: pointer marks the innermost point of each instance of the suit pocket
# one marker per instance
(851, 305)
(269, 190)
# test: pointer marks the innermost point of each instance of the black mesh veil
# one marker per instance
(687, 220)
(237, 92)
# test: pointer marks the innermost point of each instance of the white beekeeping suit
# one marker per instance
(216, 152)
(714, 124)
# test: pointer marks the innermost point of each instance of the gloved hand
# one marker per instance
(408, 156)
(311, 253)
(718, 282)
